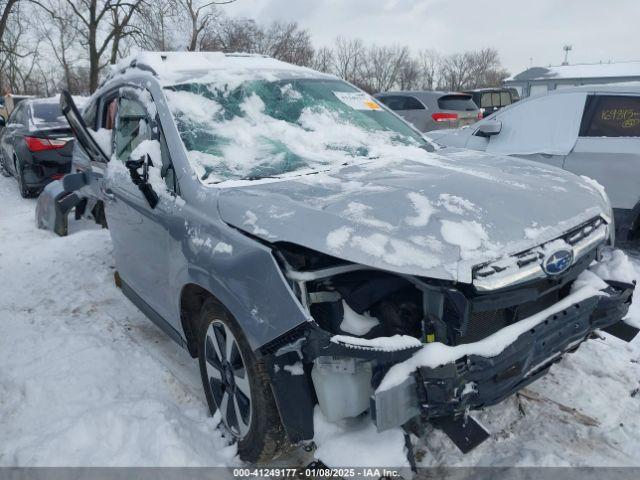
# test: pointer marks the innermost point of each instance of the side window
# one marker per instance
(611, 116)
(412, 103)
(17, 116)
(89, 115)
(397, 102)
(132, 127)
(394, 103)
(505, 99)
(486, 100)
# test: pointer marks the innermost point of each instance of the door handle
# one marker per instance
(108, 193)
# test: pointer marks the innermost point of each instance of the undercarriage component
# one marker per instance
(464, 431)
(395, 406)
(622, 330)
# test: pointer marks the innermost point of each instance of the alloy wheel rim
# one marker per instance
(228, 378)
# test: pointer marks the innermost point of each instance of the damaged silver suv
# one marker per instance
(311, 248)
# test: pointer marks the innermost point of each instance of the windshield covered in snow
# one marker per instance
(268, 128)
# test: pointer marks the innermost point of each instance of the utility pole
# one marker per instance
(567, 48)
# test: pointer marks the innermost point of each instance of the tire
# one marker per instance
(24, 191)
(3, 169)
(241, 377)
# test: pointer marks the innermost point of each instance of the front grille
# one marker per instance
(483, 323)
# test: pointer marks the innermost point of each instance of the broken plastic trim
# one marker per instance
(441, 391)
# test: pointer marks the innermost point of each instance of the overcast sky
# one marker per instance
(522, 31)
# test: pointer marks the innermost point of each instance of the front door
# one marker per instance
(608, 147)
(141, 236)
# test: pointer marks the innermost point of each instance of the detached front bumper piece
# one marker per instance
(475, 381)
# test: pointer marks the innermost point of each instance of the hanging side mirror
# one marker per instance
(141, 179)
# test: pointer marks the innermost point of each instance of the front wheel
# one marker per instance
(236, 384)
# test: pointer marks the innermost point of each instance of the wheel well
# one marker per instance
(192, 298)
(634, 225)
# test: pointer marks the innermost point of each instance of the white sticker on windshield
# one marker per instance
(357, 100)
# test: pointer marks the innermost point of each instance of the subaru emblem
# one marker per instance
(557, 262)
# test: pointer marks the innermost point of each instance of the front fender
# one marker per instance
(243, 276)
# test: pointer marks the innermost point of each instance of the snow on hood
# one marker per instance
(435, 216)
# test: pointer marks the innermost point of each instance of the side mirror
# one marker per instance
(3, 122)
(489, 128)
(142, 179)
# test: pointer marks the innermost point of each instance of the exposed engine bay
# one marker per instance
(368, 320)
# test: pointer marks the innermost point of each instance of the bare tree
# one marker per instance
(428, 64)
(287, 42)
(324, 60)
(382, 67)
(409, 75)
(201, 17)
(6, 6)
(486, 69)
(472, 69)
(455, 72)
(348, 59)
(58, 27)
(20, 55)
(235, 35)
(155, 27)
(101, 26)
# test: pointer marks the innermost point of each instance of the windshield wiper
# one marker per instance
(257, 177)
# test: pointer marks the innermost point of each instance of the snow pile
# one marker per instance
(455, 204)
(386, 344)
(361, 213)
(354, 323)
(86, 379)
(103, 138)
(615, 265)
(387, 248)
(423, 207)
(356, 443)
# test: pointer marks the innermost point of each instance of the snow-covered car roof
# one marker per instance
(595, 70)
(181, 67)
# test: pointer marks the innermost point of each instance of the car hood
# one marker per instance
(434, 217)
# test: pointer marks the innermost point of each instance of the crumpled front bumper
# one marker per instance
(474, 381)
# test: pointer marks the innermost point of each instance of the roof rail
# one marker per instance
(143, 66)
(134, 64)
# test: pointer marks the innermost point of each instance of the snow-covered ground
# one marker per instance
(85, 379)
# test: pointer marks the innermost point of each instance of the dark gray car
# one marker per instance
(309, 247)
(36, 145)
(428, 111)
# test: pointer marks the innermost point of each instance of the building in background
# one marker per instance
(539, 80)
